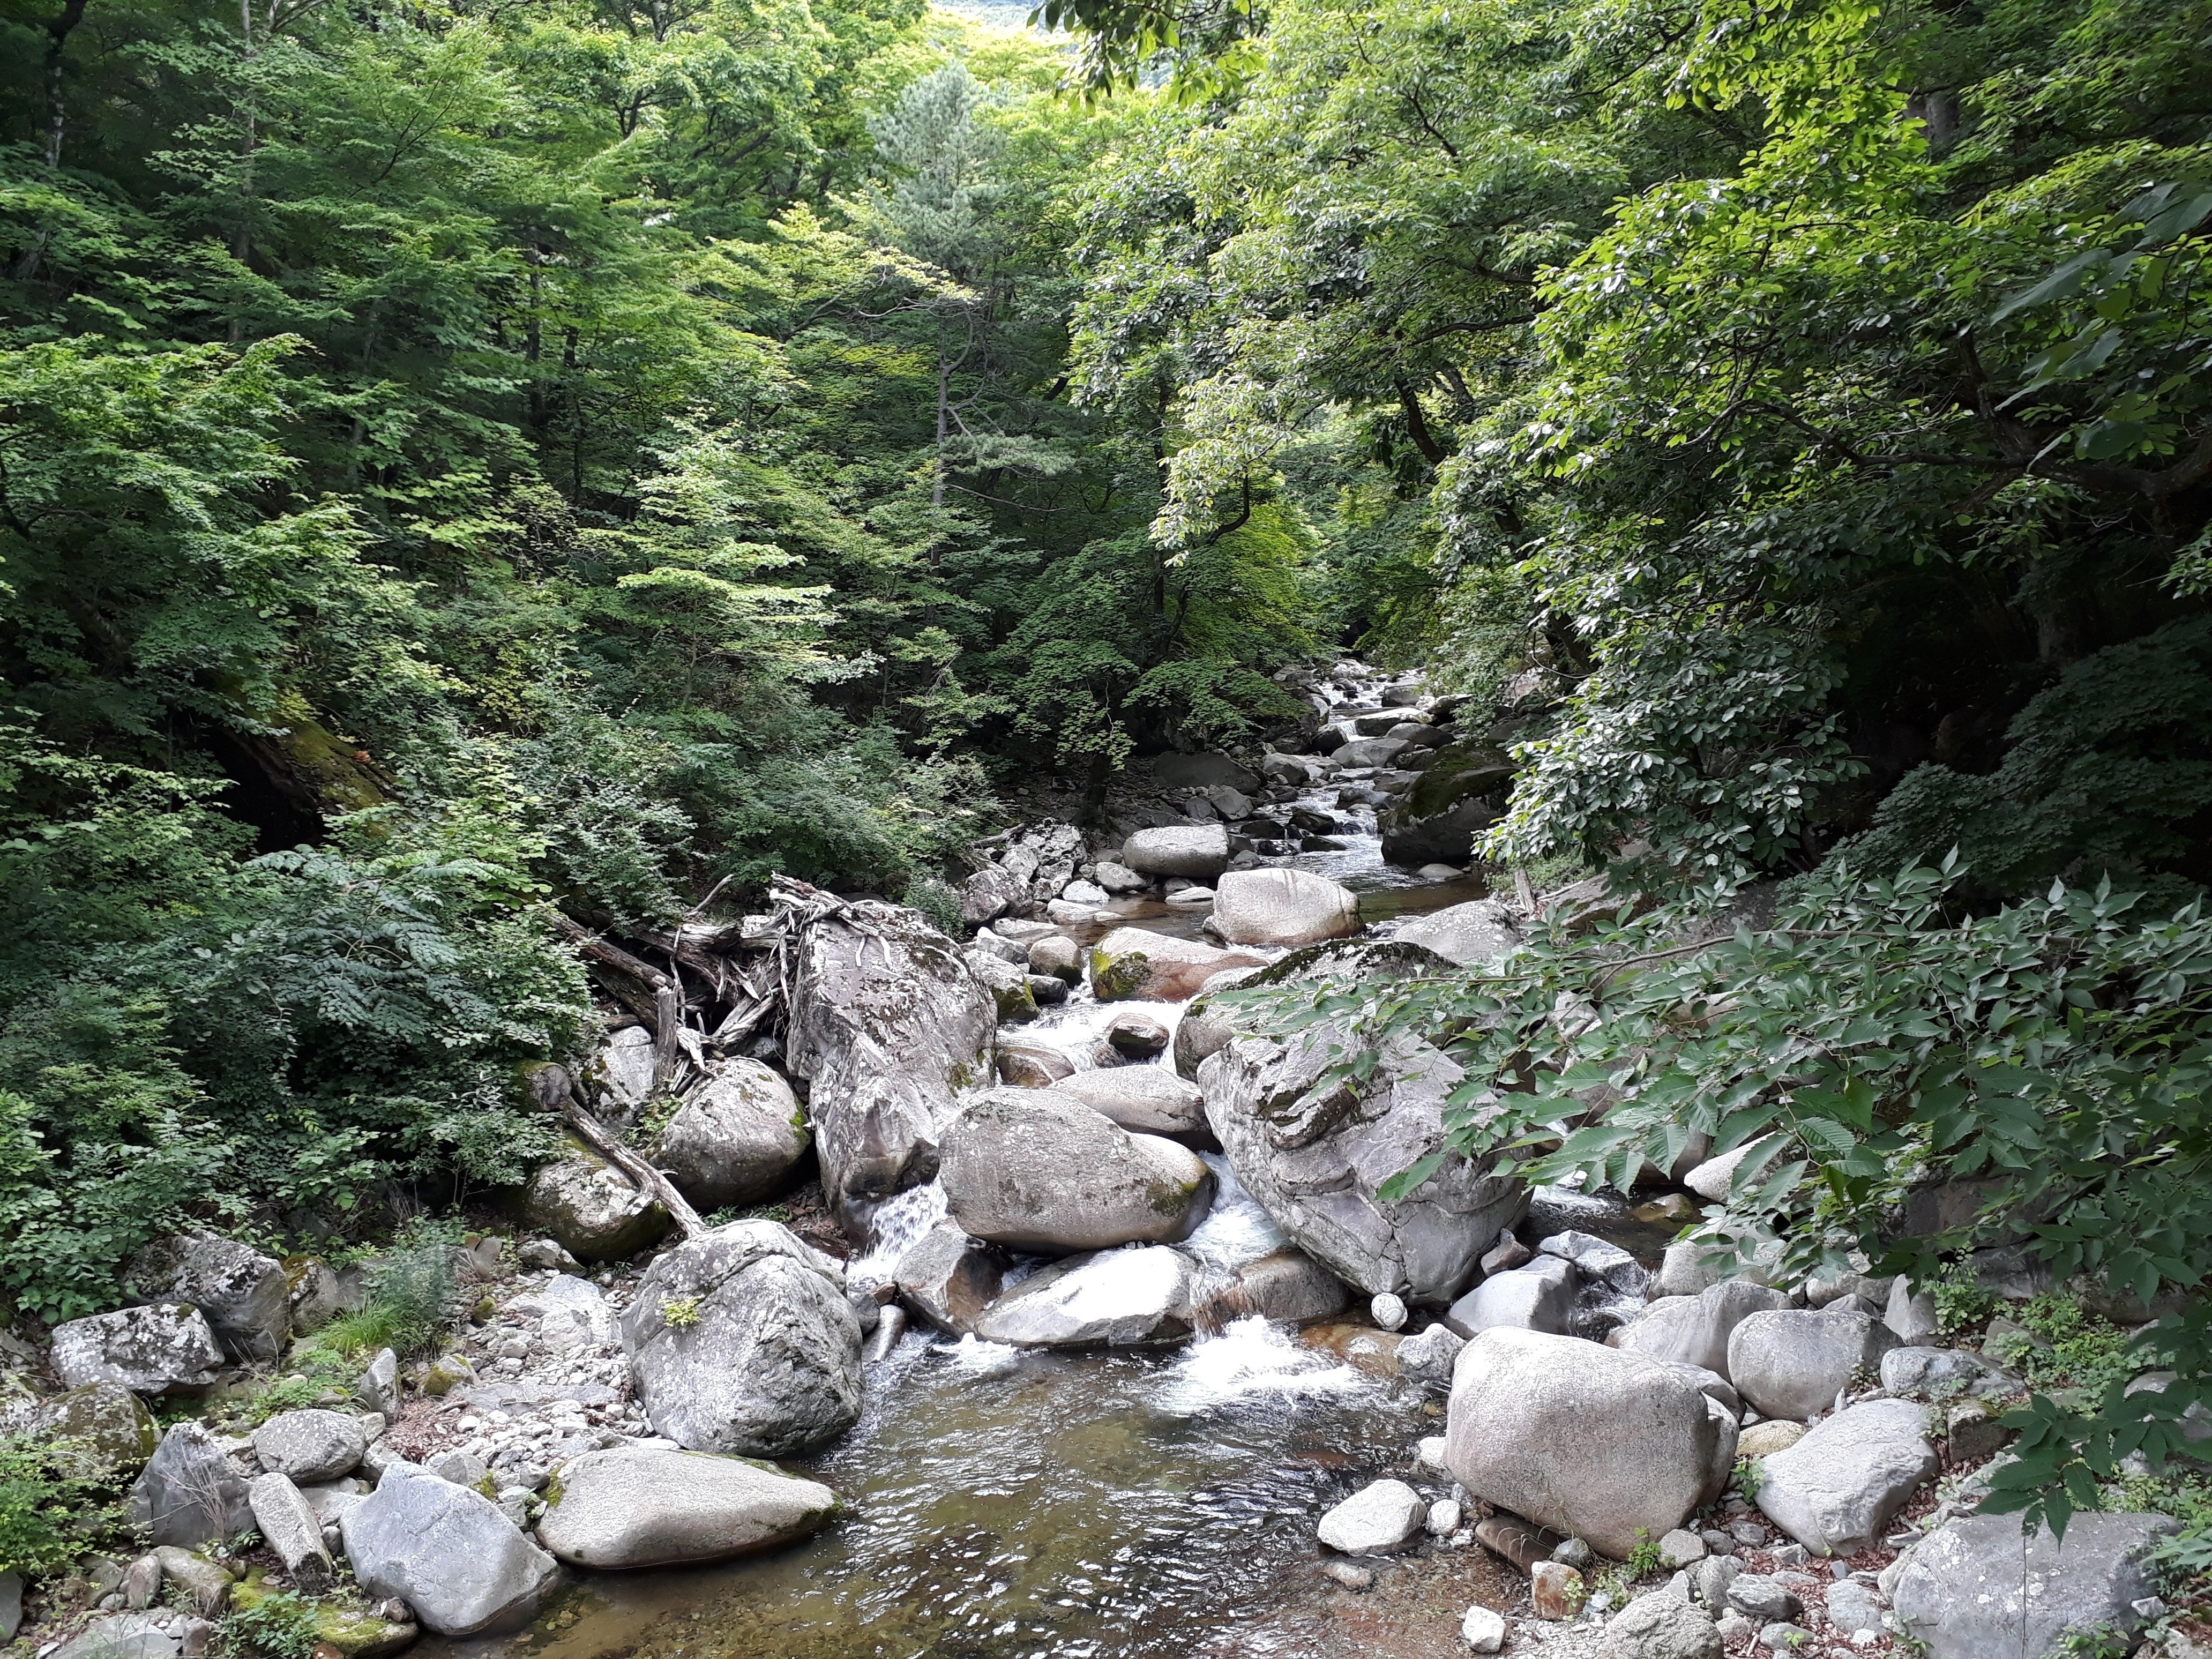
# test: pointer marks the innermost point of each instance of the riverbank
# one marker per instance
(1106, 1341)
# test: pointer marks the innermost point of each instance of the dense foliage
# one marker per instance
(458, 463)
(2047, 1063)
(469, 471)
(1796, 425)
(1802, 398)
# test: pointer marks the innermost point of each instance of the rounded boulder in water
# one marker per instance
(636, 1506)
(1038, 1170)
(1283, 907)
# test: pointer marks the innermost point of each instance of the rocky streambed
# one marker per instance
(1101, 1340)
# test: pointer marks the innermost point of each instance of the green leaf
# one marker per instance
(1402, 1185)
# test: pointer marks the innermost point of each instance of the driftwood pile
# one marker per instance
(725, 984)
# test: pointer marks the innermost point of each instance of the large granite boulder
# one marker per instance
(1794, 1363)
(310, 1445)
(1977, 1588)
(1113, 1298)
(1034, 1169)
(1539, 1296)
(447, 1552)
(1138, 962)
(243, 1294)
(1281, 906)
(188, 1493)
(165, 1349)
(1149, 1100)
(1481, 930)
(1453, 801)
(1198, 851)
(886, 1025)
(1315, 1148)
(736, 1139)
(593, 1209)
(636, 1506)
(1695, 1329)
(743, 1341)
(1835, 1488)
(1588, 1440)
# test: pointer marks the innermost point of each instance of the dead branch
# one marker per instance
(647, 1179)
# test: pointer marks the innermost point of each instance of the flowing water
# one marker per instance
(1011, 1504)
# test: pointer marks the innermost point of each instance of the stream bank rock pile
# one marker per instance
(1120, 1174)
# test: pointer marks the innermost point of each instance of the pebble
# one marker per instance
(1483, 1630)
(1352, 1577)
(1388, 1311)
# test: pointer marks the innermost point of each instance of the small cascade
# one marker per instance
(1250, 1358)
(1236, 1230)
(894, 1227)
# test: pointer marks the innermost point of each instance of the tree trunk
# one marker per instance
(58, 34)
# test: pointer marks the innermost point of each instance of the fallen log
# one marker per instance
(647, 1179)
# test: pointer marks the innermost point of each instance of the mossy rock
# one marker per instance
(591, 1209)
(101, 1429)
(350, 1629)
(1459, 771)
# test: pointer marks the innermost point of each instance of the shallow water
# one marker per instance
(1007, 1503)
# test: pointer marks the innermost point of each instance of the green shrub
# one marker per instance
(47, 1517)
(1962, 1302)
(278, 1626)
(2056, 1052)
(938, 901)
(287, 1394)
(409, 1303)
